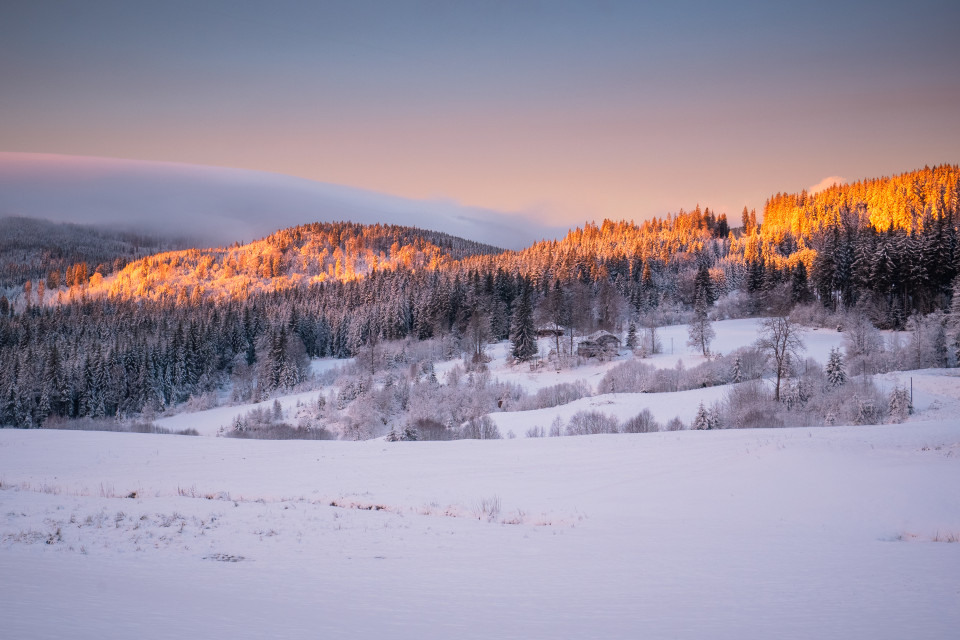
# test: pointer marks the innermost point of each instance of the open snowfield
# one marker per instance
(845, 532)
(840, 532)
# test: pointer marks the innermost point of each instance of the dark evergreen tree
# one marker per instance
(799, 289)
(522, 331)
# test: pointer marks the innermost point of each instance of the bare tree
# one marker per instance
(478, 334)
(780, 339)
(700, 333)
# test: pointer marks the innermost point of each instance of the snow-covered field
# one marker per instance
(846, 532)
(840, 532)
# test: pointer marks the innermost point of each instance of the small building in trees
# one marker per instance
(598, 344)
(549, 332)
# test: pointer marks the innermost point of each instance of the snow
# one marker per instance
(209, 422)
(731, 335)
(834, 532)
(663, 407)
(800, 533)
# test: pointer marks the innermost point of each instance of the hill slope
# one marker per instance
(340, 251)
(32, 248)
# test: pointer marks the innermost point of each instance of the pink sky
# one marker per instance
(562, 112)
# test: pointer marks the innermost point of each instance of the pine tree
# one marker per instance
(702, 286)
(799, 288)
(632, 336)
(834, 369)
(941, 356)
(737, 373)
(702, 419)
(900, 405)
(714, 419)
(522, 333)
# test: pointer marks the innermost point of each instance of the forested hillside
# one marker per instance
(54, 254)
(179, 324)
(303, 255)
(889, 245)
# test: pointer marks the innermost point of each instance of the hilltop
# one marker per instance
(302, 255)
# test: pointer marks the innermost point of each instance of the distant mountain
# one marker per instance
(32, 249)
(221, 206)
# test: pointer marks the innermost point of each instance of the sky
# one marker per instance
(555, 112)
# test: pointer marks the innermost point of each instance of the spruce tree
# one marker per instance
(632, 336)
(900, 406)
(834, 369)
(522, 333)
(702, 420)
(799, 288)
(702, 285)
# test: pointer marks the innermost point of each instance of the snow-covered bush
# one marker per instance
(749, 406)
(675, 424)
(554, 396)
(584, 423)
(643, 422)
(110, 424)
(265, 423)
(481, 428)
(632, 376)
(427, 429)
(556, 427)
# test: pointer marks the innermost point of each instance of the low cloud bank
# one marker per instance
(221, 206)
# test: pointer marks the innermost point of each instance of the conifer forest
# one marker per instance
(118, 325)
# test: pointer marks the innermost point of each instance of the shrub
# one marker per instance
(482, 428)
(675, 424)
(554, 396)
(643, 422)
(106, 424)
(749, 407)
(585, 423)
(279, 431)
(428, 429)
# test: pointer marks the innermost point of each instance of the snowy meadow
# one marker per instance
(828, 532)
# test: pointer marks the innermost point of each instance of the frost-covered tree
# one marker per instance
(900, 406)
(780, 339)
(652, 340)
(632, 336)
(918, 340)
(834, 370)
(700, 332)
(938, 338)
(714, 419)
(702, 419)
(737, 374)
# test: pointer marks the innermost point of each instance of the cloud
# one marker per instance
(221, 206)
(826, 183)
